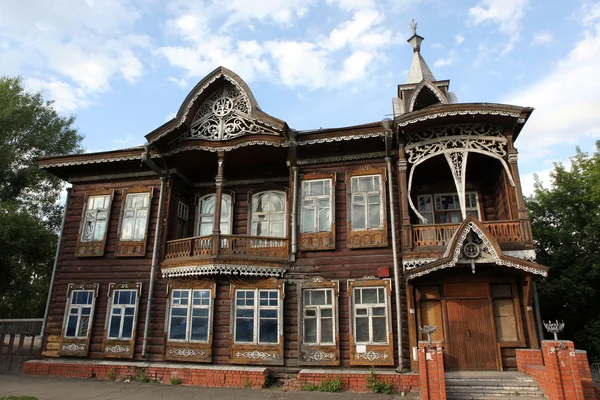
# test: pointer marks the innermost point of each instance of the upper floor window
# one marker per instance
(366, 202)
(206, 214)
(183, 212)
(268, 214)
(135, 217)
(444, 208)
(190, 318)
(95, 220)
(123, 310)
(79, 318)
(316, 206)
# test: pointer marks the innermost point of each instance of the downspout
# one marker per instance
(294, 211)
(146, 158)
(62, 229)
(387, 125)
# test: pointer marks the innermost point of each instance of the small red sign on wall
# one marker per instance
(383, 272)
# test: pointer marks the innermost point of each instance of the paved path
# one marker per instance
(52, 388)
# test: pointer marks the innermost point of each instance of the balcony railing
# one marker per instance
(440, 235)
(235, 246)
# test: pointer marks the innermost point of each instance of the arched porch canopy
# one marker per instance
(473, 243)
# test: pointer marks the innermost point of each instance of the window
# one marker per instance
(135, 217)
(182, 220)
(257, 316)
(95, 220)
(268, 214)
(319, 321)
(80, 314)
(504, 312)
(206, 213)
(316, 206)
(190, 315)
(122, 314)
(370, 315)
(447, 207)
(366, 202)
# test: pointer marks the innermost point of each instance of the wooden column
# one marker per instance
(529, 316)
(403, 187)
(412, 324)
(526, 234)
(216, 239)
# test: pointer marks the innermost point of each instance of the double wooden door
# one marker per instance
(471, 344)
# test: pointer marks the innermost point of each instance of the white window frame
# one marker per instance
(365, 204)
(256, 317)
(315, 205)
(87, 217)
(189, 314)
(423, 212)
(369, 307)
(200, 215)
(111, 308)
(135, 216)
(79, 308)
(318, 317)
(435, 196)
(255, 214)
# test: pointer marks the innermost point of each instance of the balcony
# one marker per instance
(441, 235)
(222, 247)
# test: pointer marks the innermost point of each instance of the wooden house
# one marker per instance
(231, 238)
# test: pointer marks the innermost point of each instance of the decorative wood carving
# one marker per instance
(441, 235)
(366, 238)
(78, 347)
(192, 350)
(371, 354)
(93, 248)
(134, 248)
(120, 348)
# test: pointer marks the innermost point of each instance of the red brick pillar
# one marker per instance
(431, 371)
(562, 370)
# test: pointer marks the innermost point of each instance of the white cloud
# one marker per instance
(444, 62)
(567, 99)
(542, 38)
(353, 5)
(506, 14)
(590, 11)
(66, 97)
(459, 39)
(528, 180)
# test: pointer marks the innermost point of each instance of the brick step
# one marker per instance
(483, 397)
(490, 379)
(497, 392)
(517, 384)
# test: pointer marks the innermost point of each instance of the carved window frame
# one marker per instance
(119, 347)
(366, 238)
(198, 214)
(318, 240)
(257, 353)
(93, 248)
(134, 248)
(319, 354)
(77, 346)
(190, 350)
(253, 194)
(371, 354)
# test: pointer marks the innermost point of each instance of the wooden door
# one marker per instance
(471, 342)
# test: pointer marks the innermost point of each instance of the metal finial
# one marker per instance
(554, 327)
(413, 26)
(428, 330)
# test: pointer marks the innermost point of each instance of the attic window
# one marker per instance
(425, 98)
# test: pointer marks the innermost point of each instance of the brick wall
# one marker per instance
(356, 380)
(431, 371)
(196, 375)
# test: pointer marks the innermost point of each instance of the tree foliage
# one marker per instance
(30, 209)
(566, 225)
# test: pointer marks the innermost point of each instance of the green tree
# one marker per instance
(30, 209)
(566, 226)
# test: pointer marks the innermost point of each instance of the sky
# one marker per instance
(124, 67)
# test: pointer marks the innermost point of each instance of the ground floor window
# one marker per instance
(79, 316)
(190, 319)
(122, 314)
(370, 315)
(257, 316)
(319, 317)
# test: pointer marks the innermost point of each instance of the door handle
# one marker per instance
(468, 332)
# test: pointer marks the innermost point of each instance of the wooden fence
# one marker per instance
(20, 341)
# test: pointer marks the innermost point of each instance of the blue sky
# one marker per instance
(124, 67)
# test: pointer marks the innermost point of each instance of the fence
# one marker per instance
(20, 341)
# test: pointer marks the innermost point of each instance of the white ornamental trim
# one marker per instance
(411, 264)
(353, 157)
(186, 352)
(225, 269)
(227, 148)
(117, 349)
(487, 245)
(256, 355)
(94, 161)
(527, 255)
(142, 174)
(320, 356)
(73, 347)
(340, 138)
(371, 356)
(453, 113)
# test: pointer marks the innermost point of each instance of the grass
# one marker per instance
(175, 380)
(328, 385)
(378, 387)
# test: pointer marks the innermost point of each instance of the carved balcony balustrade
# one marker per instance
(229, 247)
(440, 235)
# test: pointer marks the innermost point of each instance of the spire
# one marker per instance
(418, 69)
